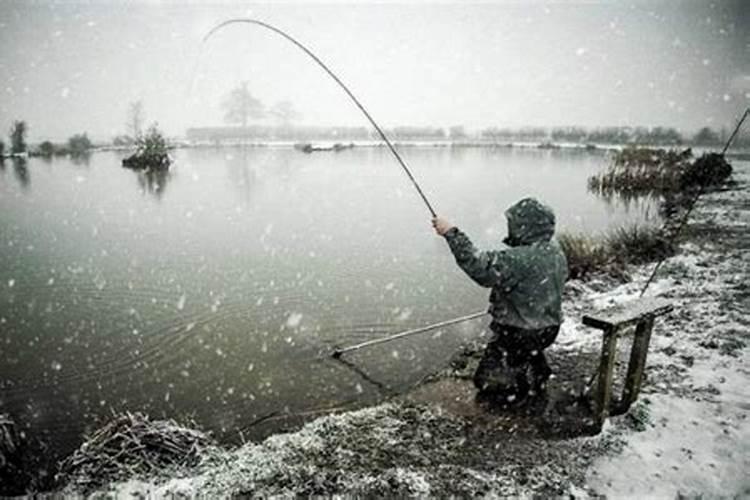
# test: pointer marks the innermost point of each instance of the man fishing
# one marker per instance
(525, 302)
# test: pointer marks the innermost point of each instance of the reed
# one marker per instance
(637, 171)
(611, 253)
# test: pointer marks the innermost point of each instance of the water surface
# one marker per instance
(212, 291)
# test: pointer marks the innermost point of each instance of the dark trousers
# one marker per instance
(513, 362)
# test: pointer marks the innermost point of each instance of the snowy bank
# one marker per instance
(697, 437)
(391, 449)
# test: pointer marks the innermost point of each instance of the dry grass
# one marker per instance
(129, 445)
(611, 253)
(636, 170)
(638, 244)
(585, 255)
(639, 171)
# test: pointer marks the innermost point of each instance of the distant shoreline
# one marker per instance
(524, 145)
(327, 146)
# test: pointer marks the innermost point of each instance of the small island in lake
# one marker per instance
(151, 153)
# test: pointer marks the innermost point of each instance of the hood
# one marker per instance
(529, 221)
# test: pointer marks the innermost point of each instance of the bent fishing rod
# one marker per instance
(338, 352)
(315, 58)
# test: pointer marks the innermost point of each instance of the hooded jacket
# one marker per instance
(526, 279)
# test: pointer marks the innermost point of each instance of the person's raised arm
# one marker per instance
(483, 267)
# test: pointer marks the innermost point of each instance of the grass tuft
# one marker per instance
(585, 255)
(611, 253)
(638, 244)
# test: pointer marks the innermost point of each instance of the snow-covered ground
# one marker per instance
(697, 395)
(688, 434)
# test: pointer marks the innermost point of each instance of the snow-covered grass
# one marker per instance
(635, 244)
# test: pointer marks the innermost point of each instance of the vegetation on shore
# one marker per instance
(283, 130)
(77, 145)
(610, 254)
(644, 171)
(672, 175)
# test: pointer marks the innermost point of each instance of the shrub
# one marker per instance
(46, 149)
(708, 170)
(152, 142)
(152, 152)
(79, 144)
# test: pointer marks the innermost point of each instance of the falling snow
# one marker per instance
(294, 320)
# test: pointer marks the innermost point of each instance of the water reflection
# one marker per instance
(81, 159)
(242, 175)
(154, 181)
(628, 201)
(651, 204)
(22, 172)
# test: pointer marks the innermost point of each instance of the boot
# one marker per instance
(540, 373)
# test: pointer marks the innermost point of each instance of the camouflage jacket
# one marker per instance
(527, 278)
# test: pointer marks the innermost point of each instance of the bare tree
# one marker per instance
(240, 105)
(284, 112)
(135, 118)
(18, 137)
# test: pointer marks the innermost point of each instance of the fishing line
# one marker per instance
(337, 80)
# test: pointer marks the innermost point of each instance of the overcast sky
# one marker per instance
(72, 67)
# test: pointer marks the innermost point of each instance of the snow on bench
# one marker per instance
(614, 321)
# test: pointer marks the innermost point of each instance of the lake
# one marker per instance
(216, 291)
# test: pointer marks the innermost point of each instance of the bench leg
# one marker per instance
(637, 364)
(603, 394)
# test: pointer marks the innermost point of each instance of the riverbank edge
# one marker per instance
(695, 369)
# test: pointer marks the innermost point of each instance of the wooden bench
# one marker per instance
(615, 322)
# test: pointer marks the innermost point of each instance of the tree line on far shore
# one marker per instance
(247, 120)
(76, 145)
(654, 136)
